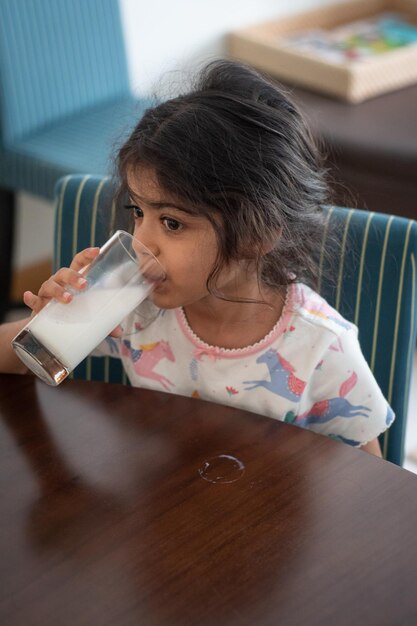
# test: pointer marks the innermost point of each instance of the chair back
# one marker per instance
(57, 57)
(372, 283)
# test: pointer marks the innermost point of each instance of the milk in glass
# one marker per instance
(70, 331)
(61, 335)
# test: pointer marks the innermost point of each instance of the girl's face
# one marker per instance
(185, 244)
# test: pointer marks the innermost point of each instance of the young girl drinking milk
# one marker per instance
(225, 187)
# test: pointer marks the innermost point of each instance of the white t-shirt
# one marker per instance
(309, 370)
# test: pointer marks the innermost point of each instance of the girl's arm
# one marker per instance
(373, 447)
(9, 362)
(54, 287)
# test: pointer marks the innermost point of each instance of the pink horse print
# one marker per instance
(323, 310)
(147, 358)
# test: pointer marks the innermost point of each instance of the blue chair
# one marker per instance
(375, 287)
(374, 284)
(65, 100)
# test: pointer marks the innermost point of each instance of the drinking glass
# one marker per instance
(61, 335)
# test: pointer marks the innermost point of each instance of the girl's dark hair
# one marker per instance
(237, 147)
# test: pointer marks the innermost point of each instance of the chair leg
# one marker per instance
(7, 220)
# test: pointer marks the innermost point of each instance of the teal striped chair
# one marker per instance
(65, 100)
(374, 284)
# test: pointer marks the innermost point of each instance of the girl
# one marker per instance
(225, 187)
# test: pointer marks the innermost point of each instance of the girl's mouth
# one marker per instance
(153, 279)
(158, 284)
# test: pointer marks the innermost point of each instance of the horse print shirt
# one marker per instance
(309, 370)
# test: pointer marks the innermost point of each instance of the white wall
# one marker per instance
(164, 39)
(171, 35)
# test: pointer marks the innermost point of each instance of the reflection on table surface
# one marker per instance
(124, 506)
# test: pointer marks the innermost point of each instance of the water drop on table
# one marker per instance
(223, 468)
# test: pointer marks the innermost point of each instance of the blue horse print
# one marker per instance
(326, 410)
(283, 380)
(285, 383)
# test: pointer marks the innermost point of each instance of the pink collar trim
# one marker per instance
(216, 352)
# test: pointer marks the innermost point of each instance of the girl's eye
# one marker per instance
(171, 224)
(137, 212)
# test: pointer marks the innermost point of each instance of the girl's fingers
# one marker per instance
(62, 284)
(59, 286)
(84, 258)
(29, 299)
(117, 332)
(34, 302)
(51, 289)
(66, 277)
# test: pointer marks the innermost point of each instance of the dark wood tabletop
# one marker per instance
(122, 506)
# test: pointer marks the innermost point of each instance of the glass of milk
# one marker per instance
(61, 335)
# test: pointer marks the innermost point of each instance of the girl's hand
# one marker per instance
(57, 285)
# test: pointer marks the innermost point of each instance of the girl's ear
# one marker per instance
(270, 242)
(251, 251)
(268, 246)
(258, 245)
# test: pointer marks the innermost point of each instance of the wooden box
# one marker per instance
(266, 47)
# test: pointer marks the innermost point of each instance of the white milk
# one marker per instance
(71, 331)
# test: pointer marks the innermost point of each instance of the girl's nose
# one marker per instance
(145, 248)
(146, 240)
(148, 262)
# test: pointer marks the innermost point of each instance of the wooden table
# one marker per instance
(107, 516)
